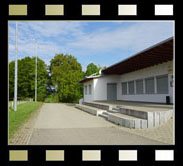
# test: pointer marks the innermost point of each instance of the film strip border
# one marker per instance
(25, 9)
(93, 10)
(83, 9)
(19, 156)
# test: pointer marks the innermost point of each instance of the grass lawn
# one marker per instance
(16, 119)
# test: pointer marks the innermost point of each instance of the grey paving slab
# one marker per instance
(62, 124)
(65, 116)
(88, 136)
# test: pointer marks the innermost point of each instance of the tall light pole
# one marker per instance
(16, 68)
(36, 71)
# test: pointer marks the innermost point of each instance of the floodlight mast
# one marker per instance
(16, 67)
(36, 71)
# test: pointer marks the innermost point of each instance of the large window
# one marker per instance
(124, 88)
(131, 89)
(85, 90)
(149, 83)
(89, 89)
(162, 84)
(139, 87)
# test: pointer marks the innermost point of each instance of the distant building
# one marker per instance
(144, 77)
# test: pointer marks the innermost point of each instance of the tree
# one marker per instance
(26, 78)
(65, 75)
(91, 69)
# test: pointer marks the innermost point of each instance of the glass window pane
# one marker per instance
(85, 90)
(149, 82)
(162, 84)
(124, 88)
(90, 89)
(139, 87)
(131, 87)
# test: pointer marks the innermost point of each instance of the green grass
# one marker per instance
(16, 119)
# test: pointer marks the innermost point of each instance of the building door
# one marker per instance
(111, 91)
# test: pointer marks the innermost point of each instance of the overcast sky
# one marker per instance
(103, 43)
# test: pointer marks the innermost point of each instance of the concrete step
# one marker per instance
(104, 115)
(91, 110)
(113, 111)
(115, 108)
(154, 118)
(128, 121)
(132, 112)
(98, 105)
(146, 119)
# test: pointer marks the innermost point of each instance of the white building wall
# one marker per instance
(153, 71)
(88, 97)
(100, 85)
(171, 88)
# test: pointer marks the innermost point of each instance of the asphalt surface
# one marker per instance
(63, 124)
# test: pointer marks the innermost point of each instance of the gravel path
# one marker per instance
(63, 124)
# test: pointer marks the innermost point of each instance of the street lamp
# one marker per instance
(16, 67)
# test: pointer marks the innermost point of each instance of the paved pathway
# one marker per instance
(22, 136)
(63, 124)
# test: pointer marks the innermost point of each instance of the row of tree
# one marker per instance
(58, 82)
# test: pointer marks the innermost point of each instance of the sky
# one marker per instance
(101, 42)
